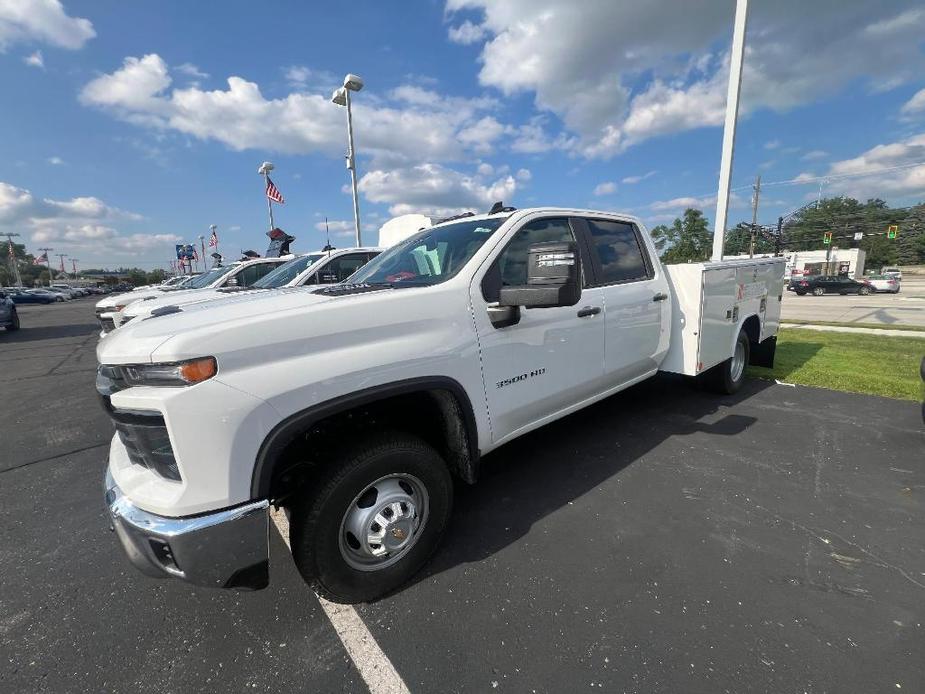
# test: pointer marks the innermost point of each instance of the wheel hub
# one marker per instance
(383, 522)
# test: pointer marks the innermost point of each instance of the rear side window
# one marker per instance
(341, 268)
(619, 251)
(252, 273)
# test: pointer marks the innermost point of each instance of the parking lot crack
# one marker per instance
(53, 457)
(818, 534)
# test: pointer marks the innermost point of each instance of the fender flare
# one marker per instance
(288, 429)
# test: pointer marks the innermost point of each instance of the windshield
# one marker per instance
(209, 277)
(429, 257)
(287, 272)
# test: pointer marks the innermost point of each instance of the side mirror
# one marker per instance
(553, 278)
(233, 282)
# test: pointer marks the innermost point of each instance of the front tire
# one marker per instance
(864, 291)
(818, 291)
(374, 520)
(728, 376)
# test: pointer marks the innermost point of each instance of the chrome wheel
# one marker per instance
(383, 522)
(738, 362)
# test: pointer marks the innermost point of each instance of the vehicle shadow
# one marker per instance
(533, 476)
(48, 332)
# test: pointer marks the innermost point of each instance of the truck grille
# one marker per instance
(107, 324)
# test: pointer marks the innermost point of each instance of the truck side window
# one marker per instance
(341, 268)
(617, 246)
(510, 267)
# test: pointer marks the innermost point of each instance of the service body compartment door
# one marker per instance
(719, 316)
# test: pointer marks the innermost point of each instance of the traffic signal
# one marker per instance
(827, 238)
(892, 231)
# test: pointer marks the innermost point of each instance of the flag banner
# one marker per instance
(273, 192)
(279, 243)
(213, 240)
(40, 259)
(185, 251)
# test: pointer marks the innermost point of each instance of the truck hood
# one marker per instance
(183, 298)
(137, 342)
(127, 298)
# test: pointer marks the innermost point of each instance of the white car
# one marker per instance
(314, 269)
(239, 274)
(354, 406)
(892, 272)
(884, 283)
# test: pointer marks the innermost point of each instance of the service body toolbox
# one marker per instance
(713, 301)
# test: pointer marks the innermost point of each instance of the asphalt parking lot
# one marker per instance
(905, 308)
(664, 540)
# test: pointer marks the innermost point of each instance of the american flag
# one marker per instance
(213, 240)
(273, 192)
(41, 259)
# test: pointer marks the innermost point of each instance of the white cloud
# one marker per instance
(682, 203)
(413, 124)
(41, 21)
(35, 60)
(915, 105)
(55, 161)
(467, 33)
(805, 177)
(338, 227)
(485, 169)
(815, 154)
(617, 73)
(434, 189)
(772, 144)
(631, 180)
(80, 222)
(191, 70)
(523, 175)
(605, 188)
(896, 169)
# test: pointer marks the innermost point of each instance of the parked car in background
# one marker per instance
(884, 283)
(63, 293)
(21, 295)
(312, 269)
(9, 319)
(832, 284)
(44, 292)
(892, 272)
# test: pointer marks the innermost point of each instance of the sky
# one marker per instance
(128, 127)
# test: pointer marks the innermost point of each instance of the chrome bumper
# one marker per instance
(225, 549)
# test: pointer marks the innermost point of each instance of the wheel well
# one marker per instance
(297, 448)
(752, 328)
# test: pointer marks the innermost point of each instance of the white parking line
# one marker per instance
(374, 667)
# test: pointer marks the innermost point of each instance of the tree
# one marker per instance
(156, 276)
(137, 277)
(738, 241)
(688, 239)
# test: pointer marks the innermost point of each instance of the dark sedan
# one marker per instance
(20, 296)
(831, 284)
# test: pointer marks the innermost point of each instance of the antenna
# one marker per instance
(327, 237)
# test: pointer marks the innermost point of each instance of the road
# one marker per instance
(664, 540)
(905, 308)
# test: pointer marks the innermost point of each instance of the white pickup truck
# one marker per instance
(355, 406)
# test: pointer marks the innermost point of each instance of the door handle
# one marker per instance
(660, 297)
(589, 311)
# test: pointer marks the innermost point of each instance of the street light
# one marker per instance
(341, 97)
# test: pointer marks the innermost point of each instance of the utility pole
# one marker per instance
(14, 266)
(47, 263)
(778, 239)
(736, 59)
(74, 262)
(755, 198)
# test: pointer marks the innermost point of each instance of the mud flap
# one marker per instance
(762, 354)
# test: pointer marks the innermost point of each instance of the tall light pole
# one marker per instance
(264, 170)
(62, 256)
(74, 262)
(341, 97)
(729, 129)
(14, 266)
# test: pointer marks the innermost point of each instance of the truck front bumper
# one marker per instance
(224, 549)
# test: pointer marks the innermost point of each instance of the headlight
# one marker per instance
(118, 307)
(183, 373)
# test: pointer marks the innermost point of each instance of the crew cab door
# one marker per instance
(552, 359)
(636, 299)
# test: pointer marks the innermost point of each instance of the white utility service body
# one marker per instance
(710, 303)
(455, 341)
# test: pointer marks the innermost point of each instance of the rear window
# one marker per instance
(618, 249)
